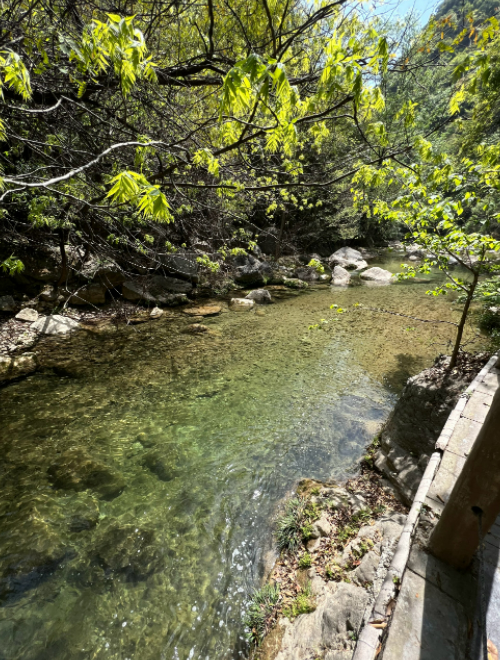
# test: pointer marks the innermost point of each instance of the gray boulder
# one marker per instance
(29, 556)
(104, 271)
(330, 627)
(7, 304)
(154, 462)
(157, 289)
(307, 273)
(55, 325)
(90, 294)
(367, 570)
(260, 296)
(181, 264)
(414, 425)
(340, 276)
(252, 272)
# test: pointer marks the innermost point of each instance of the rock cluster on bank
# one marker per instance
(342, 567)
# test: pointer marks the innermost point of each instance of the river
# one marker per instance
(202, 437)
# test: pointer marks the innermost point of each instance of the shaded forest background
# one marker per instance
(212, 128)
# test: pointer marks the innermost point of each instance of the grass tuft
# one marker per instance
(289, 527)
(260, 613)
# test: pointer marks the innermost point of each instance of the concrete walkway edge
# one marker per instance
(369, 639)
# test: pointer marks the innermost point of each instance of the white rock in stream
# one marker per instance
(378, 275)
(340, 276)
(240, 304)
(55, 325)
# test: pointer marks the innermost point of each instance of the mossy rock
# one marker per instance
(294, 283)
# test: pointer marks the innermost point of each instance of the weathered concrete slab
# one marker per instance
(446, 477)
(427, 625)
(489, 383)
(478, 406)
(459, 586)
(463, 436)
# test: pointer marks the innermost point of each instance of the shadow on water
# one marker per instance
(407, 365)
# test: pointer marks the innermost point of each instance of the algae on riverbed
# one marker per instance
(204, 434)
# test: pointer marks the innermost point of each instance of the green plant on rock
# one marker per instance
(345, 533)
(303, 603)
(364, 547)
(305, 561)
(260, 612)
(317, 265)
(333, 572)
(307, 531)
(289, 526)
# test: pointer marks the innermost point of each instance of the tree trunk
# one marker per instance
(280, 236)
(461, 325)
(64, 258)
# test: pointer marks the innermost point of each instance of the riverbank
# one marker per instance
(104, 301)
(337, 542)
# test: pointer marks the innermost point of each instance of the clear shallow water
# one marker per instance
(206, 434)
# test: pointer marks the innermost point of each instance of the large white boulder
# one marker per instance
(27, 314)
(348, 258)
(55, 325)
(240, 304)
(340, 276)
(378, 275)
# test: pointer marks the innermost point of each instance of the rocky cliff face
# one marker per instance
(408, 438)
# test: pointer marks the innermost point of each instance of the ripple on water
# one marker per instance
(207, 433)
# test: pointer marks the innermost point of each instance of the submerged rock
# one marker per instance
(204, 310)
(55, 325)
(240, 304)
(129, 550)
(155, 463)
(84, 512)
(195, 329)
(260, 296)
(29, 557)
(77, 470)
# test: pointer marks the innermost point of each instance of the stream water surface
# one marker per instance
(190, 443)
